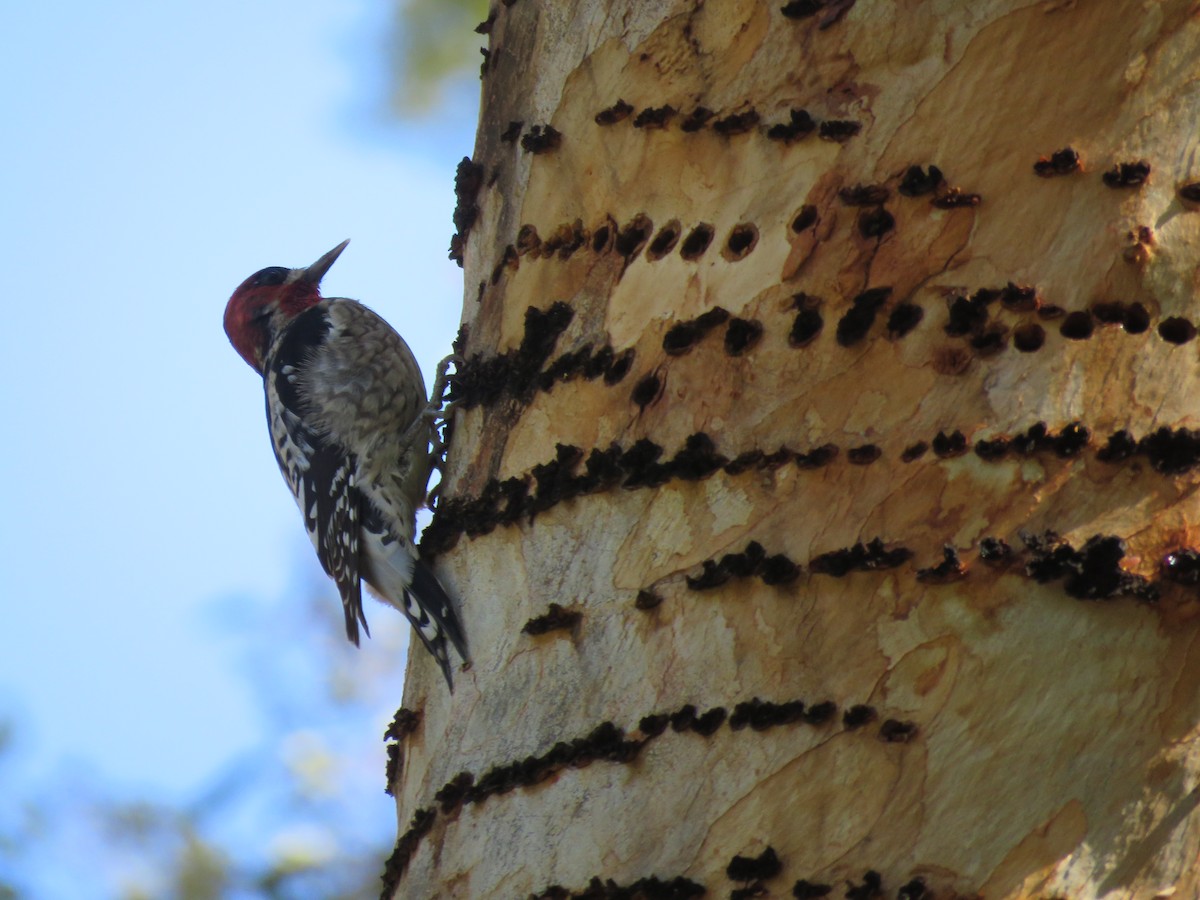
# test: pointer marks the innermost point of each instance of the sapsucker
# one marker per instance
(350, 427)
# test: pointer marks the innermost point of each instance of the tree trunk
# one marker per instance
(848, 430)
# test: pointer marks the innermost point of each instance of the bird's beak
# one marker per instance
(314, 273)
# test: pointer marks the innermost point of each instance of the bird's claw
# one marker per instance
(435, 412)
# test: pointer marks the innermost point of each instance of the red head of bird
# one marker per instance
(268, 300)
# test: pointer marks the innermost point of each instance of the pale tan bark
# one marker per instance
(1054, 746)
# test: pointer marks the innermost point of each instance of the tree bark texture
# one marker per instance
(848, 434)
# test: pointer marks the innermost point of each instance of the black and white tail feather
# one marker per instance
(428, 608)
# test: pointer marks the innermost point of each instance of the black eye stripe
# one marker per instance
(271, 275)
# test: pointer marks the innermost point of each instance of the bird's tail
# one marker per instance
(432, 615)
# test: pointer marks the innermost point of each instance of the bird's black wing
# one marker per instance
(320, 473)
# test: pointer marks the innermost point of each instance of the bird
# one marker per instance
(350, 426)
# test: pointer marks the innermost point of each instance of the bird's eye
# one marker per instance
(271, 275)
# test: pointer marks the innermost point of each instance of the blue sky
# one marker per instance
(155, 155)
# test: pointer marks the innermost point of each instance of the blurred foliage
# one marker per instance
(303, 815)
(434, 43)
